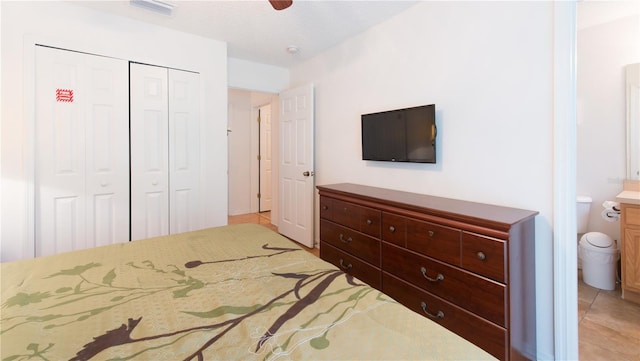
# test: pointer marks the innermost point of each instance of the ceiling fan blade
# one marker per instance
(280, 4)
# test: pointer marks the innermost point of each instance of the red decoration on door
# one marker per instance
(64, 95)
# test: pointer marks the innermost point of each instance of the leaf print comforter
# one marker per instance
(238, 292)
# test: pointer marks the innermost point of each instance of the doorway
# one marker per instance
(606, 42)
(252, 144)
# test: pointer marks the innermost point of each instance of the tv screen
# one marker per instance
(402, 135)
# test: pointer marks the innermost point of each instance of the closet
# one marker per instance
(165, 151)
(82, 151)
(117, 151)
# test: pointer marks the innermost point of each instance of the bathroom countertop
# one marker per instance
(629, 197)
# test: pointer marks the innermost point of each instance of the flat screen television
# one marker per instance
(402, 135)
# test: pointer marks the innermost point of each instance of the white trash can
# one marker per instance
(599, 254)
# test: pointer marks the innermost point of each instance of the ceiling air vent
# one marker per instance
(154, 5)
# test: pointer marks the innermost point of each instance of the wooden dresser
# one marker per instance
(467, 266)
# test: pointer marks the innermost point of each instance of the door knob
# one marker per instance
(307, 173)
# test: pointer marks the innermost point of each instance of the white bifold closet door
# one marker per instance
(165, 151)
(82, 151)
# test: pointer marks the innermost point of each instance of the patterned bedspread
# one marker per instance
(238, 292)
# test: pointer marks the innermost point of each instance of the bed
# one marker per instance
(227, 293)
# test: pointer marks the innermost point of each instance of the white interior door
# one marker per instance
(149, 127)
(296, 166)
(82, 151)
(184, 152)
(165, 151)
(265, 158)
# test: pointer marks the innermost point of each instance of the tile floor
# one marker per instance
(608, 326)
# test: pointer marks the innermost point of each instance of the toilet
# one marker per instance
(598, 254)
(583, 208)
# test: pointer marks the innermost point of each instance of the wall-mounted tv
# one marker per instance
(402, 135)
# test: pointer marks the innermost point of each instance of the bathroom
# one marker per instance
(608, 39)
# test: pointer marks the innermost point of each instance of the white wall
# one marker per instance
(240, 154)
(488, 67)
(74, 27)
(248, 75)
(608, 39)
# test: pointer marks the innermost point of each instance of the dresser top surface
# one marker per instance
(425, 202)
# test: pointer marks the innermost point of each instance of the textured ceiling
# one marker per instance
(255, 31)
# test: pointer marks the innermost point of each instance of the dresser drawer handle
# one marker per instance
(345, 240)
(392, 229)
(481, 256)
(346, 267)
(438, 278)
(431, 233)
(369, 221)
(440, 314)
(324, 208)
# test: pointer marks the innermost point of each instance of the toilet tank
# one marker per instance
(583, 207)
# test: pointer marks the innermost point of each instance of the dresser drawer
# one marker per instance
(351, 265)
(484, 255)
(424, 237)
(433, 240)
(488, 336)
(350, 241)
(363, 219)
(394, 229)
(326, 208)
(476, 294)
